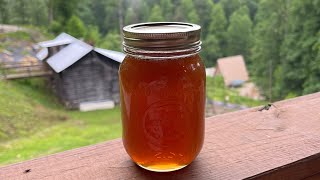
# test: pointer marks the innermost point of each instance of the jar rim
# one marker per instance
(161, 35)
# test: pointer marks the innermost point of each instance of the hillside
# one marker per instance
(33, 123)
(24, 108)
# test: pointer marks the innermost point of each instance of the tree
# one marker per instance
(211, 51)
(269, 34)
(99, 14)
(21, 14)
(167, 9)
(218, 26)
(63, 10)
(142, 10)
(75, 27)
(214, 41)
(84, 12)
(230, 6)
(93, 35)
(111, 41)
(186, 11)
(204, 9)
(156, 14)
(239, 33)
(38, 12)
(131, 17)
(111, 21)
(4, 11)
(300, 51)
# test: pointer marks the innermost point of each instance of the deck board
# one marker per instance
(283, 142)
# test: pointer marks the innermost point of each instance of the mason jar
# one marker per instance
(162, 93)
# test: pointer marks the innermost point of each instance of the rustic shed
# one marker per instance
(51, 47)
(233, 69)
(84, 74)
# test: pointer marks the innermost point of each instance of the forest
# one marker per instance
(279, 39)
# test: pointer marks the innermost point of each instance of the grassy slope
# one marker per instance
(217, 91)
(34, 124)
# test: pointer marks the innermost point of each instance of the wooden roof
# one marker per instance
(232, 69)
(73, 52)
(280, 143)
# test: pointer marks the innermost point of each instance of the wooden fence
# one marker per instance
(18, 70)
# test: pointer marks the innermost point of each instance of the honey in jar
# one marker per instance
(162, 87)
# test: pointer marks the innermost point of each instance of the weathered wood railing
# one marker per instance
(17, 70)
(280, 143)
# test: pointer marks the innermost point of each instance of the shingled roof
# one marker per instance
(232, 69)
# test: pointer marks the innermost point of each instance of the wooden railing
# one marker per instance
(18, 70)
(278, 142)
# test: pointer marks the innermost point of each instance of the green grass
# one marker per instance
(33, 123)
(19, 35)
(87, 129)
(216, 90)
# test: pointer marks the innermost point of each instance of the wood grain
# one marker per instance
(281, 143)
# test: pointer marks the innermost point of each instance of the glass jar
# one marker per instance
(162, 88)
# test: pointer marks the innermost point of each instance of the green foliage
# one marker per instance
(214, 43)
(156, 14)
(55, 27)
(131, 17)
(64, 10)
(300, 50)
(217, 91)
(93, 35)
(75, 27)
(111, 41)
(167, 9)
(4, 11)
(204, 10)
(211, 50)
(189, 11)
(85, 12)
(111, 20)
(230, 6)
(278, 38)
(239, 33)
(269, 34)
(19, 35)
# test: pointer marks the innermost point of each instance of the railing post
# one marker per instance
(29, 68)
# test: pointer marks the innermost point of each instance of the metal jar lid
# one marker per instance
(161, 36)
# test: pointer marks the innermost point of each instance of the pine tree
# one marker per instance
(204, 9)
(187, 12)
(214, 41)
(301, 49)
(269, 33)
(211, 50)
(218, 26)
(239, 33)
(230, 6)
(4, 12)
